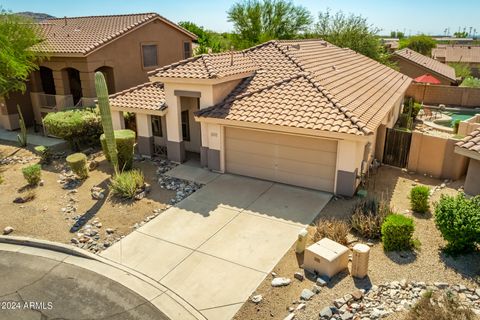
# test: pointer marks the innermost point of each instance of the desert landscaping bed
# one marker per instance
(428, 265)
(81, 212)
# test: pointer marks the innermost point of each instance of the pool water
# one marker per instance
(457, 115)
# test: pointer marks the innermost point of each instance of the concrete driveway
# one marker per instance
(215, 247)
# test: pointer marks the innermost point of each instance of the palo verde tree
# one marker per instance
(208, 41)
(351, 31)
(257, 21)
(420, 43)
(17, 61)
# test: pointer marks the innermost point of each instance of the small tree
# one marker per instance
(420, 43)
(17, 60)
(461, 69)
(257, 21)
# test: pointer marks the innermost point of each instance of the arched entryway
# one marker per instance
(46, 77)
(109, 78)
(75, 84)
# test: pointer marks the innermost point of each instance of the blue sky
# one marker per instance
(412, 16)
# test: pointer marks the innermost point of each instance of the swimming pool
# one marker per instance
(457, 115)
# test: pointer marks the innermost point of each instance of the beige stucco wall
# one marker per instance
(472, 181)
(125, 53)
(468, 126)
(435, 156)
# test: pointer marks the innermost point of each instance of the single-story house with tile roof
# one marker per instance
(124, 47)
(470, 147)
(467, 54)
(414, 64)
(300, 112)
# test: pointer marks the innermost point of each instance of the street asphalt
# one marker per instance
(39, 288)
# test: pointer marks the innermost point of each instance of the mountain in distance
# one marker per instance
(36, 16)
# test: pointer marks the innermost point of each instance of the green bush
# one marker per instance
(368, 216)
(411, 108)
(33, 174)
(78, 163)
(125, 145)
(78, 127)
(44, 153)
(458, 219)
(397, 232)
(419, 196)
(126, 184)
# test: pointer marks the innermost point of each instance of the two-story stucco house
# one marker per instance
(305, 113)
(124, 47)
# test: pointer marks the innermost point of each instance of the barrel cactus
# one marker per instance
(104, 107)
(78, 163)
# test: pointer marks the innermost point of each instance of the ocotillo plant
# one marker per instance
(104, 106)
(22, 136)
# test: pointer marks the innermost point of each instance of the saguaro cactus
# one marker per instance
(104, 106)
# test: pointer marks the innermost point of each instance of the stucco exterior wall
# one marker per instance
(472, 181)
(448, 95)
(125, 53)
(435, 156)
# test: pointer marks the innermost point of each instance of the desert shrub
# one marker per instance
(32, 174)
(419, 196)
(368, 216)
(78, 163)
(458, 219)
(78, 127)
(397, 232)
(127, 183)
(334, 229)
(125, 146)
(439, 306)
(44, 153)
(405, 121)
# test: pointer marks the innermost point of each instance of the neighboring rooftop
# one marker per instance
(81, 35)
(471, 142)
(468, 54)
(315, 85)
(208, 66)
(431, 65)
(148, 96)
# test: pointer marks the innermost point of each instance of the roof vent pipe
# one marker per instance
(65, 20)
(231, 55)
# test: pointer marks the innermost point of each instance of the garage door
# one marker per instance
(295, 160)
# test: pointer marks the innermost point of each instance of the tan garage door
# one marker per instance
(296, 160)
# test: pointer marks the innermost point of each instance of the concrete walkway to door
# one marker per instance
(215, 247)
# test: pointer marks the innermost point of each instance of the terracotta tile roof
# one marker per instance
(322, 86)
(294, 102)
(431, 64)
(147, 96)
(80, 35)
(471, 142)
(208, 66)
(468, 54)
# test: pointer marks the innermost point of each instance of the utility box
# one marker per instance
(326, 258)
(301, 241)
(361, 253)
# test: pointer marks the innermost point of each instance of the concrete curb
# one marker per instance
(48, 245)
(167, 301)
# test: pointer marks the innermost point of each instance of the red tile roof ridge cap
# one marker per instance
(101, 16)
(209, 66)
(140, 86)
(175, 64)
